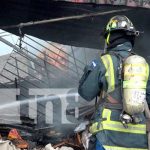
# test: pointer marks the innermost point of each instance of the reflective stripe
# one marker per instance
(136, 64)
(116, 125)
(108, 38)
(135, 84)
(106, 114)
(122, 148)
(136, 69)
(135, 74)
(147, 71)
(108, 63)
(95, 127)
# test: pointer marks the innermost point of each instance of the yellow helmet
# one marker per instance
(117, 23)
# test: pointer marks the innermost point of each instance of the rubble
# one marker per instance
(14, 141)
(7, 145)
(49, 147)
(17, 140)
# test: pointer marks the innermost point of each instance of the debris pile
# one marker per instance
(49, 147)
(14, 141)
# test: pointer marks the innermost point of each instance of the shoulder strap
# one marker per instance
(120, 68)
(109, 75)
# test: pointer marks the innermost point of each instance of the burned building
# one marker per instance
(45, 77)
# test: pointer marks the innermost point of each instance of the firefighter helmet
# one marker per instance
(117, 23)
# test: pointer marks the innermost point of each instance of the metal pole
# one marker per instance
(31, 23)
(45, 64)
(85, 56)
(9, 44)
(17, 71)
(75, 62)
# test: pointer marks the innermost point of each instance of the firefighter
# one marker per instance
(114, 127)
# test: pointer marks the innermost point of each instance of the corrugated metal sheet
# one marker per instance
(131, 3)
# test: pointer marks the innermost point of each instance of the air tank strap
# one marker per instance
(148, 125)
(113, 106)
(111, 103)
